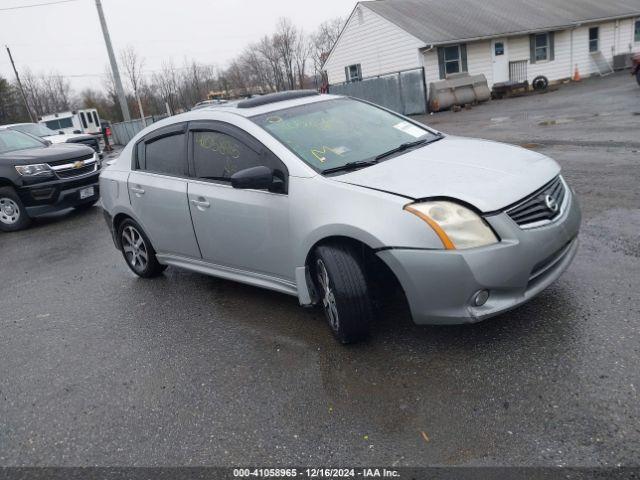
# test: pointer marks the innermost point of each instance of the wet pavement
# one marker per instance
(99, 367)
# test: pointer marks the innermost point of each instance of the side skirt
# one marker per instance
(229, 273)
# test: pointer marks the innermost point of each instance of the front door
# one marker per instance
(246, 230)
(158, 191)
(500, 59)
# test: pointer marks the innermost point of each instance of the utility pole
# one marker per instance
(24, 97)
(114, 66)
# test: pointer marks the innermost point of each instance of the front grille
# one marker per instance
(70, 160)
(536, 209)
(75, 172)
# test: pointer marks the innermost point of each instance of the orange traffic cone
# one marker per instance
(576, 75)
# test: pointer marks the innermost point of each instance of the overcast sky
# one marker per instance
(67, 38)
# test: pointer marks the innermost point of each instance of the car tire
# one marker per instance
(138, 251)
(13, 215)
(638, 76)
(540, 83)
(343, 291)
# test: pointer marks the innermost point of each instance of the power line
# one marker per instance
(37, 5)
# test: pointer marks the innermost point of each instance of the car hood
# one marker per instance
(486, 174)
(65, 137)
(62, 151)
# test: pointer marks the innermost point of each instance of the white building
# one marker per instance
(501, 39)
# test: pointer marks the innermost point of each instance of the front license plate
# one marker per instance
(87, 192)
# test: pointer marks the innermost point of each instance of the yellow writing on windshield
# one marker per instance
(320, 154)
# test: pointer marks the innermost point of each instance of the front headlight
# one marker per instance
(458, 227)
(38, 169)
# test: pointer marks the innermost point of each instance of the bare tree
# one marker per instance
(267, 49)
(166, 81)
(133, 65)
(302, 51)
(284, 42)
(47, 93)
(277, 62)
(323, 40)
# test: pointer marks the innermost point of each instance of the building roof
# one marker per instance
(438, 22)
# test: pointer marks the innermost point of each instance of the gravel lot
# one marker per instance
(101, 368)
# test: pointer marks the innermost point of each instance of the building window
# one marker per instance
(353, 73)
(593, 39)
(452, 59)
(541, 46)
(498, 48)
(637, 31)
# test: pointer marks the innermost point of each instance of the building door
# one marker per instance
(500, 60)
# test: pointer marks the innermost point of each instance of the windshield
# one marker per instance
(335, 133)
(11, 140)
(34, 129)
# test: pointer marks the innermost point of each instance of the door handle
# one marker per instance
(137, 190)
(200, 203)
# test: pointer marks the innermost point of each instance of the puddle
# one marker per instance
(557, 121)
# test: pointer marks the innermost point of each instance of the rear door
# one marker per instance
(158, 191)
(243, 229)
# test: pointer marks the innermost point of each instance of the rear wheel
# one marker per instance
(343, 291)
(137, 250)
(13, 215)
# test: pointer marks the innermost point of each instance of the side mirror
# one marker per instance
(60, 132)
(258, 178)
(75, 132)
(47, 142)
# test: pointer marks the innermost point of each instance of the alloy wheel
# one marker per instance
(9, 211)
(328, 296)
(135, 248)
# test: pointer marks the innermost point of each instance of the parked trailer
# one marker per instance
(76, 121)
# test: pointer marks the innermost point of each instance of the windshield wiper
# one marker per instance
(350, 166)
(406, 146)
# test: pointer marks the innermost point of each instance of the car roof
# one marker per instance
(270, 103)
(8, 125)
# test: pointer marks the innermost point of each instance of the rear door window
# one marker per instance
(165, 152)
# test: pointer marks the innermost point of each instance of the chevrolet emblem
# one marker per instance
(78, 164)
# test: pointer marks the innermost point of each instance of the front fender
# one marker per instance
(325, 208)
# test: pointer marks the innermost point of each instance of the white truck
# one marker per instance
(76, 121)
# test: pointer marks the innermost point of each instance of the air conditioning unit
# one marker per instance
(621, 61)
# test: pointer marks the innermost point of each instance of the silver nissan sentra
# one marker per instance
(335, 200)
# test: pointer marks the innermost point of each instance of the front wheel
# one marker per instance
(13, 215)
(137, 250)
(344, 294)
